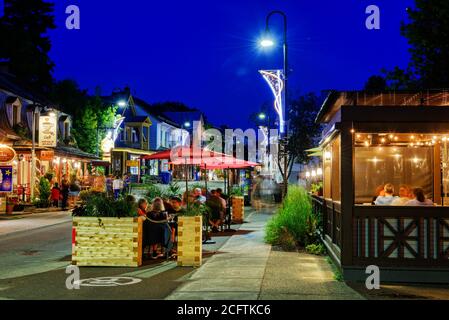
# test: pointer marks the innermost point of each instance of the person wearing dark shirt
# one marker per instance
(216, 210)
(156, 233)
(65, 185)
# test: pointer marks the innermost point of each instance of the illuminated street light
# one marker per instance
(266, 43)
(121, 103)
(187, 124)
(262, 116)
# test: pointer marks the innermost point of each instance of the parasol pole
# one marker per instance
(187, 183)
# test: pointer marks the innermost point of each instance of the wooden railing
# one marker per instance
(330, 213)
(401, 236)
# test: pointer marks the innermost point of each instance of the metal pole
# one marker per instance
(33, 153)
(283, 126)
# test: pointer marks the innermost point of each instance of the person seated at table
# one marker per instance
(142, 207)
(216, 210)
(379, 192)
(405, 195)
(419, 199)
(174, 212)
(156, 231)
(198, 196)
(388, 198)
(221, 194)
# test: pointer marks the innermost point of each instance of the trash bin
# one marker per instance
(165, 177)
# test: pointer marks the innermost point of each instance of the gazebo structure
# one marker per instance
(371, 139)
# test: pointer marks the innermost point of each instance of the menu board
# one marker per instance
(47, 131)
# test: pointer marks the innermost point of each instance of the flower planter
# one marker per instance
(190, 242)
(115, 242)
(238, 209)
(9, 208)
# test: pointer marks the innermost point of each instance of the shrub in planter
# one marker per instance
(153, 191)
(107, 232)
(296, 216)
(44, 194)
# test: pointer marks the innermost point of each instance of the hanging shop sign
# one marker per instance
(47, 131)
(7, 154)
(6, 178)
(132, 163)
(47, 155)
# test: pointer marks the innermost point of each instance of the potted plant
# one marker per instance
(106, 232)
(11, 202)
(190, 236)
(238, 205)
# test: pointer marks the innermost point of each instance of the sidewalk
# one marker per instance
(246, 268)
(33, 221)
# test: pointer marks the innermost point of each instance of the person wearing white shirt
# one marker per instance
(405, 195)
(388, 198)
(116, 185)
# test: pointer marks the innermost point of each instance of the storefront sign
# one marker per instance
(47, 131)
(6, 178)
(7, 154)
(46, 155)
(132, 163)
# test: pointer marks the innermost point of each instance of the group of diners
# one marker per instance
(160, 225)
(385, 196)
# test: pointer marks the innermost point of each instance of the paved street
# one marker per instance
(237, 265)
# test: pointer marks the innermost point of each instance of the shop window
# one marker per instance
(406, 161)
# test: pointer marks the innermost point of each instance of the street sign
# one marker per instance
(47, 131)
(132, 163)
(6, 178)
(46, 155)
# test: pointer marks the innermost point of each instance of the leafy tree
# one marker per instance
(68, 95)
(428, 34)
(427, 31)
(376, 83)
(24, 43)
(85, 129)
(94, 115)
(304, 132)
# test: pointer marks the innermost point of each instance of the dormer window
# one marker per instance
(14, 110)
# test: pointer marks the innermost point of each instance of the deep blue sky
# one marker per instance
(205, 53)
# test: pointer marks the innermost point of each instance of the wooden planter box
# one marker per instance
(115, 242)
(238, 209)
(190, 241)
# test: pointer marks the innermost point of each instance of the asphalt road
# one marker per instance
(33, 267)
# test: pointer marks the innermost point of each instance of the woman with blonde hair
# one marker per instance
(158, 218)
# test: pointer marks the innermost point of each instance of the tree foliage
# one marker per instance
(25, 43)
(427, 31)
(304, 132)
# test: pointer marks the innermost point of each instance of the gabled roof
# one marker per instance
(10, 83)
(148, 109)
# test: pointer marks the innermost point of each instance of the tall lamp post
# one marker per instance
(268, 42)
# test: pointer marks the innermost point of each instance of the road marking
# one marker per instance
(151, 272)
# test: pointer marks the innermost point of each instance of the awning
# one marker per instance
(100, 163)
(201, 157)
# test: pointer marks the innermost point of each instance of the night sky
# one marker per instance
(206, 54)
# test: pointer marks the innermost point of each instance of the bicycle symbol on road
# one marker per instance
(107, 281)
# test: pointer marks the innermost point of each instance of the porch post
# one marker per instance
(347, 194)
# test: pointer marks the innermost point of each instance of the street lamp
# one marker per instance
(38, 109)
(267, 42)
(122, 103)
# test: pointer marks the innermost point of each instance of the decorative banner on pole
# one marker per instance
(6, 178)
(47, 131)
(275, 80)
